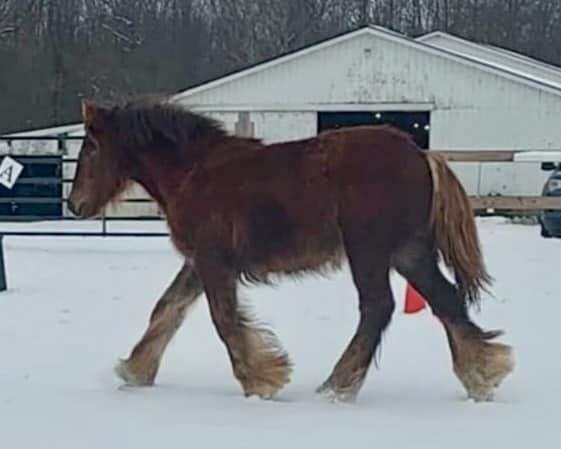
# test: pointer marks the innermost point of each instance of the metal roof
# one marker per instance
(500, 58)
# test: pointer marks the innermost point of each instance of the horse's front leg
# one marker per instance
(258, 360)
(170, 311)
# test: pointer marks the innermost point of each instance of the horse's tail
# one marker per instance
(455, 231)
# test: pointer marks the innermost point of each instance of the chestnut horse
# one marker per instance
(239, 210)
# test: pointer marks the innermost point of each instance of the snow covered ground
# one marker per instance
(75, 305)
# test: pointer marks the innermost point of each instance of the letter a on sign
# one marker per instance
(9, 172)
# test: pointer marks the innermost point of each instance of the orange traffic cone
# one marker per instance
(414, 302)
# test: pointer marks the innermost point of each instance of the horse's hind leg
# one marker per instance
(369, 262)
(479, 364)
(142, 365)
(258, 360)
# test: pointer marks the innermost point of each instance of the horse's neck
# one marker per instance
(161, 176)
(161, 173)
(228, 148)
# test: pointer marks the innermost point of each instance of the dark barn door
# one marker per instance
(37, 193)
(415, 123)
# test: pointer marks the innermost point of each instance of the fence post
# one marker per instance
(103, 223)
(61, 143)
(3, 282)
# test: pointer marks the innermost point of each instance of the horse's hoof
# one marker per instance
(482, 396)
(327, 392)
(124, 372)
(265, 392)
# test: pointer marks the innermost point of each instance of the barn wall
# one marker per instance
(283, 126)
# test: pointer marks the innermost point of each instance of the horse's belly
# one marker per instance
(309, 250)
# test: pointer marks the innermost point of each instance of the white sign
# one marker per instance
(9, 172)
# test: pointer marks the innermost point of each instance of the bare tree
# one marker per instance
(54, 52)
(6, 16)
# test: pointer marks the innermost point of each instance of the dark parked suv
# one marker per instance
(550, 220)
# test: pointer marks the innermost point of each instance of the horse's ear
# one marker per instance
(93, 114)
(89, 110)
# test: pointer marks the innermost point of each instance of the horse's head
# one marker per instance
(100, 173)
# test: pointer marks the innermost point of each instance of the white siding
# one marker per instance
(30, 148)
(284, 126)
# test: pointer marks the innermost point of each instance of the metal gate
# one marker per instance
(37, 195)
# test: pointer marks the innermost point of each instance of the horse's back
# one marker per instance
(364, 179)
